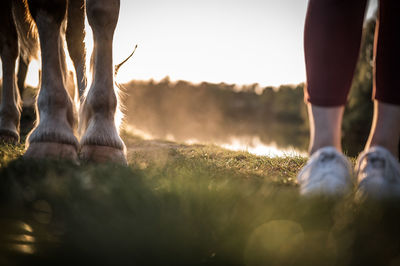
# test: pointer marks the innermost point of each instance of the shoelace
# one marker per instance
(379, 155)
(323, 157)
(326, 157)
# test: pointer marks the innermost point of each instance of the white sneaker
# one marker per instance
(378, 174)
(327, 172)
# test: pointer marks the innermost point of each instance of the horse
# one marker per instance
(74, 121)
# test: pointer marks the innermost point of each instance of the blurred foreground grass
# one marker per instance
(183, 205)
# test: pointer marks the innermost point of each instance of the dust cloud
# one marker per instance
(264, 121)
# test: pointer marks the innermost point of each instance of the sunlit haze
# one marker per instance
(241, 41)
(249, 144)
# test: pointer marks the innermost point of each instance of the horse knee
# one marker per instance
(103, 15)
(54, 10)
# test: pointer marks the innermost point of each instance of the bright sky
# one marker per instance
(232, 41)
(239, 41)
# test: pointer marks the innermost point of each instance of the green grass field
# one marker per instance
(182, 204)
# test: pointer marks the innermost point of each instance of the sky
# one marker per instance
(239, 41)
(235, 41)
(232, 41)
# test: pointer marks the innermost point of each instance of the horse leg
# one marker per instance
(100, 134)
(10, 107)
(54, 136)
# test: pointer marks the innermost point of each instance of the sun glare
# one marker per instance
(251, 144)
(255, 146)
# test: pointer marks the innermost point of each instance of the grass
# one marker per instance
(182, 204)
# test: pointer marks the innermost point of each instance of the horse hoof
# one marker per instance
(102, 154)
(52, 150)
(8, 137)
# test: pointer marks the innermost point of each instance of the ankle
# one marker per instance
(318, 145)
(391, 147)
(325, 127)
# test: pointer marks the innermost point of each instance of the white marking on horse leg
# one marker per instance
(101, 140)
(54, 135)
(10, 108)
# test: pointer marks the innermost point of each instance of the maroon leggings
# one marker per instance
(332, 38)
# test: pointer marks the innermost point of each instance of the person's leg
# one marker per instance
(378, 166)
(385, 129)
(332, 37)
(325, 127)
